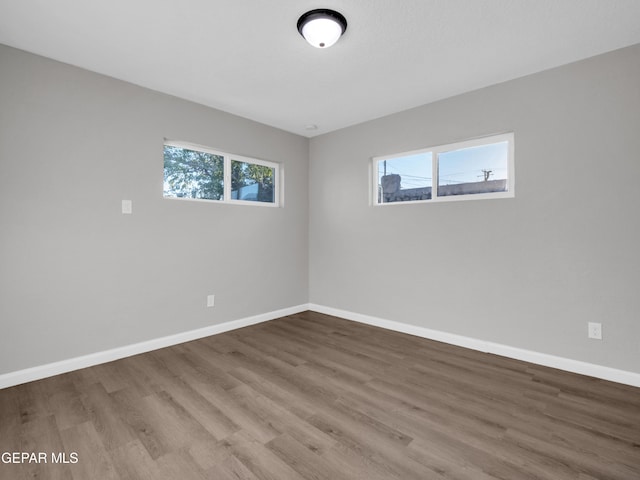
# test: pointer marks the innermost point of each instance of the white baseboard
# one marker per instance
(567, 364)
(575, 366)
(64, 366)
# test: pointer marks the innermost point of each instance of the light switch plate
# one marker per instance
(127, 207)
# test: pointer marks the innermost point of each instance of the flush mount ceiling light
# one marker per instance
(322, 27)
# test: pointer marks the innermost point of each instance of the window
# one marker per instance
(252, 181)
(190, 173)
(480, 168)
(199, 173)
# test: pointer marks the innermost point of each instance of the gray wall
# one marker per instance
(528, 272)
(77, 276)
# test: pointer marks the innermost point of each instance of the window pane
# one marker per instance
(481, 169)
(193, 174)
(252, 182)
(403, 179)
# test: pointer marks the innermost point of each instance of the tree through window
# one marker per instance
(193, 172)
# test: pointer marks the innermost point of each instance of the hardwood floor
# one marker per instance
(311, 396)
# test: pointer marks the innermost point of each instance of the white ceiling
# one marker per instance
(246, 56)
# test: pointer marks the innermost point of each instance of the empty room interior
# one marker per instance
(320, 240)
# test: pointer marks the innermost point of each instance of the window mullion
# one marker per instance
(434, 175)
(227, 178)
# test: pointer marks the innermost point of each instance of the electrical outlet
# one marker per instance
(211, 300)
(595, 330)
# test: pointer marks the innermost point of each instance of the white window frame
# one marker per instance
(227, 158)
(440, 149)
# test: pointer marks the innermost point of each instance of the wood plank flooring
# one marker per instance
(311, 396)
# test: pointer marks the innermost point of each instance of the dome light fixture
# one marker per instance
(322, 27)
